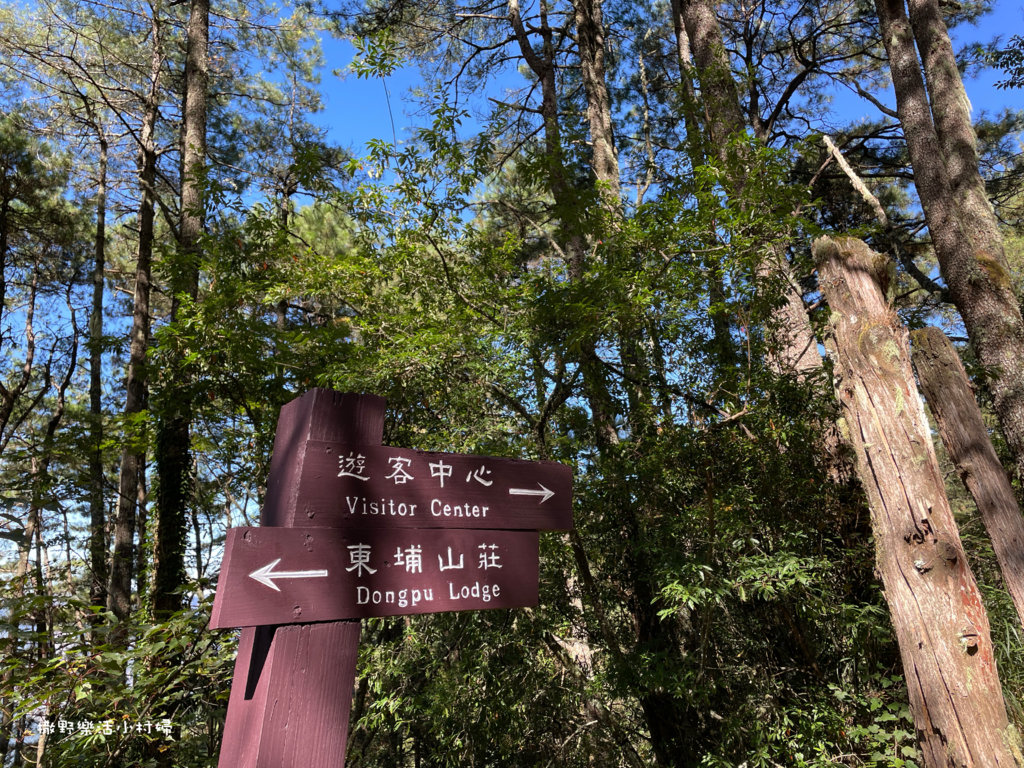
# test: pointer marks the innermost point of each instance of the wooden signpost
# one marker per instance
(352, 529)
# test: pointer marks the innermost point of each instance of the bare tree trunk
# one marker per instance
(119, 593)
(590, 44)
(968, 247)
(936, 608)
(793, 346)
(19, 743)
(948, 392)
(97, 518)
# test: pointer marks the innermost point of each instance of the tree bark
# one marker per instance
(936, 608)
(590, 44)
(174, 462)
(119, 592)
(970, 253)
(952, 113)
(97, 516)
(963, 431)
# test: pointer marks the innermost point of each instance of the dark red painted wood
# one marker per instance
(342, 485)
(297, 710)
(243, 726)
(320, 415)
(370, 572)
(292, 690)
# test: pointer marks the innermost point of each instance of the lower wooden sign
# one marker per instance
(302, 575)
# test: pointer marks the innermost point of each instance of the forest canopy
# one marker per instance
(621, 236)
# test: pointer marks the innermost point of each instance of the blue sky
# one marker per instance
(357, 110)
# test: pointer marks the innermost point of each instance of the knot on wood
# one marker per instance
(969, 640)
(947, 552)
(922, 533)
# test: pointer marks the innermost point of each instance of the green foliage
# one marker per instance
(176, 671)
(1011, 61)
(715, 604)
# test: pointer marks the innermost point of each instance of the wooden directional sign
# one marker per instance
(287, 575)
(351, 529)
(365, 486)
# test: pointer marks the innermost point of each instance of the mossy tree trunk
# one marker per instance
(963, 432)
(937, 612)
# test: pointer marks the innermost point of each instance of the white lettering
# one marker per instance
(428, 594)
(403, 596)
(362, 595)
(416, 596)
(376, 597)
(352, 502)
(436, 513)
(482, 591)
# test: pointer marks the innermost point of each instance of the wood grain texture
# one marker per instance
(405, 572)
(320, 415)
(963, 431)
(936, 608)
(292, 689)
(418, 489)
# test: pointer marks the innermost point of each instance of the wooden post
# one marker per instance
(294, 707)
(936, 608)
(948, 392)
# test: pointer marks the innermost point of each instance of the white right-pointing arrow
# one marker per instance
(266, 576)
(528, 492)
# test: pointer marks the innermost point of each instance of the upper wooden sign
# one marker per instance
(291, 575)
(339, 485)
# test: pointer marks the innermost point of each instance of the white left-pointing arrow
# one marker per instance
(265, 575)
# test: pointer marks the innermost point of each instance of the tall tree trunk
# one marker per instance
(590, 44)
(952, 113)
(5, 224)
(174, 463)
(794, 349)
(936, 608)
(40, 465)
(119, 592)
(97, 516)
(948, 392)
(968, 247)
